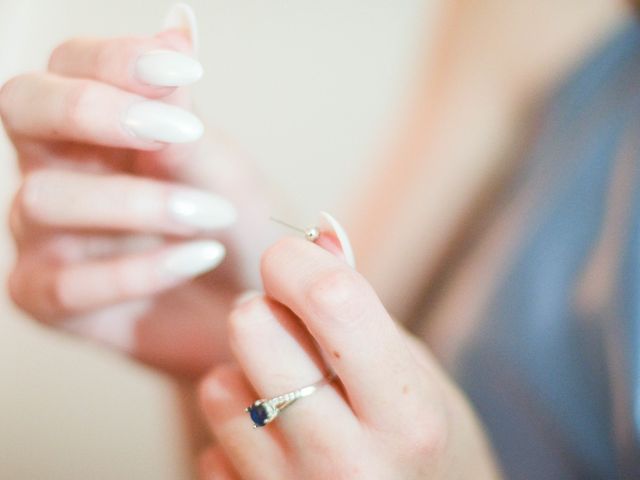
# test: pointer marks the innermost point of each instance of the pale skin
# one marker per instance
(317, 313)
(94, 197)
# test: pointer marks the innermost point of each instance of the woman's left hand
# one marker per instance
(391, 415)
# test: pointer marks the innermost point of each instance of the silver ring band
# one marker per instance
(265, 410)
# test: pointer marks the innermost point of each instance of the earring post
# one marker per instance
(282, 222)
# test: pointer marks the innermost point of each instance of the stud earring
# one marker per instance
(311, 234)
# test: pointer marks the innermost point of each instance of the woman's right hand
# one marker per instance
(124, 211)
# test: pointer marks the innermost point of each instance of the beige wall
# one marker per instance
(306, 86)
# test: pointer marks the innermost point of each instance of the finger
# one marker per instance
(151, 67)
(91, 112)
(255, 455)
(51, 291)
(343, 313)
(172, 332)
(73, 247)
(214, 465)
(74, 200)
(278, 356)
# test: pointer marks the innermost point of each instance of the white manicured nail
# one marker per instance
(154, 120)
(194, 258)
(201, 209)
(183, 17)
(167, 68)
(327, 220)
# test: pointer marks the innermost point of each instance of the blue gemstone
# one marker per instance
(258, 415)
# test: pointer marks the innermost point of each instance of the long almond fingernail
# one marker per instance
(161, 122)
(330, 223)
(193, 258)
(182, 16)
(167, 68)
(202, 210)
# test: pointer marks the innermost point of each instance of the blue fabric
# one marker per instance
(539, 371)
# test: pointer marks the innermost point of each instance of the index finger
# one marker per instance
(342, 312)
(148, 66)
(51, 107)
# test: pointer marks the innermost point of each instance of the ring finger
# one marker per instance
(222, 395)
(278, 356)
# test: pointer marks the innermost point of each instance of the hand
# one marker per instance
(121, 201)
(392, 415)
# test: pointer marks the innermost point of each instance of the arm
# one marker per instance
(485, 66)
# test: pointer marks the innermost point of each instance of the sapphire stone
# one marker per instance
(259, 414)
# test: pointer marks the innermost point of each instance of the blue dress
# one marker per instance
(553, 366)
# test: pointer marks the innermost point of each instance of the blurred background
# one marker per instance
(308, 88)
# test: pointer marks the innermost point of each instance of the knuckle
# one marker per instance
(427, 437)
(212, 390)
(242, 318)
(206, 388)
(29, 297)
(337, 292)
